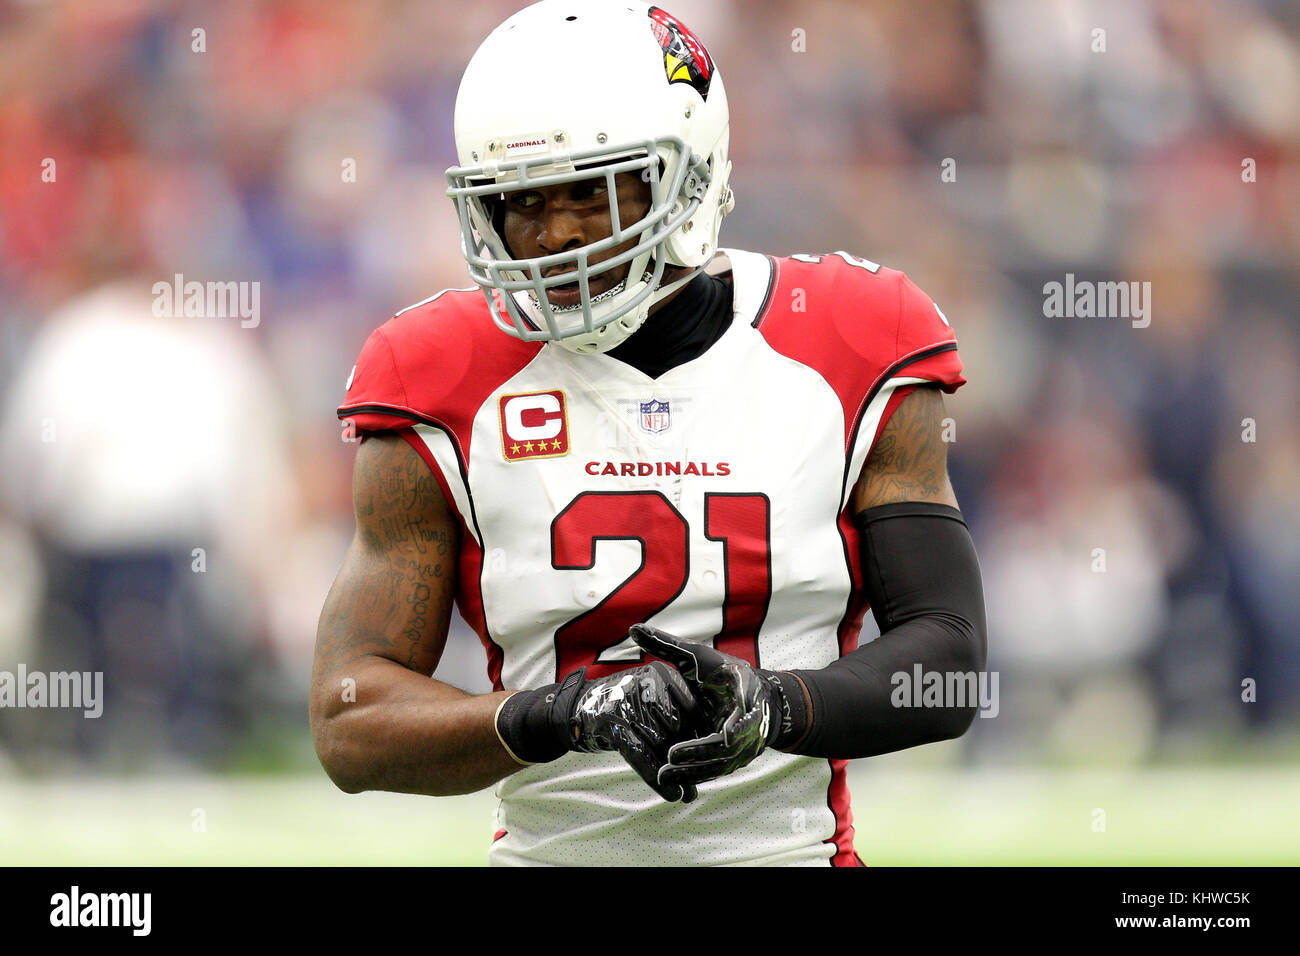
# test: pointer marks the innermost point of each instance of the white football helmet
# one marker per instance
(575, 89)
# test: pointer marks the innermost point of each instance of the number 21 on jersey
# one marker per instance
(740, 521)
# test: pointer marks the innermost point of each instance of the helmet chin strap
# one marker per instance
(617, 332)
(664, 291)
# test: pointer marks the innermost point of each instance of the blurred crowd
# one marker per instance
(176, 491)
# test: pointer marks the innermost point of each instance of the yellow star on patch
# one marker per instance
(528, 446)
(514, 449)
(555, 445)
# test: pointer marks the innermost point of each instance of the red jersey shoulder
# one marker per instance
(435, 362)
(841, 300)
(858, 324)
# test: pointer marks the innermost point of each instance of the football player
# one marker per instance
(661, 480)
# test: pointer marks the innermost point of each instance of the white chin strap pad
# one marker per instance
(615, 333)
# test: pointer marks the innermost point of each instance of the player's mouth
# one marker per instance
(569, 295)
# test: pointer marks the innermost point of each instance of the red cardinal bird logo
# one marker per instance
(685, 59)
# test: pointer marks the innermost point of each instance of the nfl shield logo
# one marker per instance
(654, 416)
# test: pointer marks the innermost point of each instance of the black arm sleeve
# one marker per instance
(923, 580)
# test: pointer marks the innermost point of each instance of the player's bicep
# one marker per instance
(909, 461)
(393, 596)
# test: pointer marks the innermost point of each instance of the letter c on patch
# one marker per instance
(533, 417)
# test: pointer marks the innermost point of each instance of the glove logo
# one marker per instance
(534, 425)
(767, 720)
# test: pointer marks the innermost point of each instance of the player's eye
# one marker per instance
(589, 190)
(526, 200)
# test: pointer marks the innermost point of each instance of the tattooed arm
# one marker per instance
(910, 459)
(378, 720)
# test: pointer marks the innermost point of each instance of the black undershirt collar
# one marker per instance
(682, 330)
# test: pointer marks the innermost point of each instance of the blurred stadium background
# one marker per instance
(1173, 157)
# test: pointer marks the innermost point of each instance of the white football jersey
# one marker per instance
(711, 502)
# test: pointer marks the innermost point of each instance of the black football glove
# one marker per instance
(745, 708)
(637, 712)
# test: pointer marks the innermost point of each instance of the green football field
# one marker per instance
(1236, 815)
